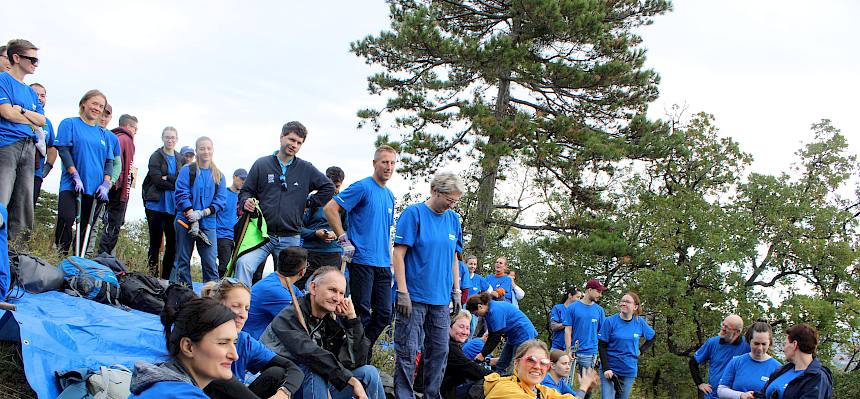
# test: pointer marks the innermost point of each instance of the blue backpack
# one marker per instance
(91, 280)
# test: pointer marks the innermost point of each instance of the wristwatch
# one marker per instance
(23, 110)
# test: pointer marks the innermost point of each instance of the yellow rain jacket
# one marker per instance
(498, 387)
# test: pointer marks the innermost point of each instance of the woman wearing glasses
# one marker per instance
(619, 348)
(158, 188)
(200, 193)
(531, 363)
(279, 377)
(502, 319)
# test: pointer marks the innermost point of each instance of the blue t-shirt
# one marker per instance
(13, 92)
(473, 347)
(718, 356)
(622, 343)
(90, 148)
(465, 281)
(780, 383)
(505, 317)
(166, 204)
(744, 374)
(49, 142)
(253, 356)
(370, 209)
(585, 321)
(559, 386)
(201, 196)
(503, 281)
(268, 298)
(227, 218)
(477, 284)
(557, 315)
(432, 241)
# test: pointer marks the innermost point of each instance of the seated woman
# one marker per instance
(502, 318)
(802, 376)
(201, 340)
(746, 374)
(530, 366)
(559, 370)
(461, 371)
(279, 377)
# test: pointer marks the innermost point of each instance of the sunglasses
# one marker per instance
(33, 60)
(532, 361)
(230, 281)
(283, 179)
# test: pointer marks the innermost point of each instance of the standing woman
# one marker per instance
(158, 188)
(802, 376)
(198, 201)
(87, 164)
(746, 374)
(619, 347)
(502, 318)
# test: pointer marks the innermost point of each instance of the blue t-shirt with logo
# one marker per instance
(432, 241)
(622, 343)
(557, 315)
(253, 356)
(268, 298)
(718, 355)
(166, 204)
(586, 322)
(370, 209)
(13, 92)
(744, 374)
(90, 147)
(780, 383)
(503, 281)
(227, 218)
(505, 317)
(477, 284)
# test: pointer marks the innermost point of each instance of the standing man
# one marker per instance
(317, 235)
(367, 244)
(280, 184)
(21, 115)
(717, 351)
(45, 163)
(119, 193)
(582, 322)
(227, 221)
(501, 285)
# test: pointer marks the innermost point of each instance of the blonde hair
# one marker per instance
(216, 173)
(463, 314)
(219, 289)
(87, 96)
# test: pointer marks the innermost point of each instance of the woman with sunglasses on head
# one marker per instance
(746, 374)
(802, 376)
(279, 377)
(158, 189)
(502, 319)
(619, 348)
(87, 159)
(201, 339)
(531, 362)
(200, 193)
(560, 369)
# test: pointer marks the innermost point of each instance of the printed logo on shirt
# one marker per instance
(452, 237)
(636, 335)
(296, 184)
(397, 237)
(33, 106)
(270, 178)
(594, 321)
(765, 378)
(104, 144)
(390, 211)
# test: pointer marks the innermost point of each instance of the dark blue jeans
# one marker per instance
(433, 321)
(370, 288)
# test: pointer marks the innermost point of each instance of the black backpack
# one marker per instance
(112, 262)
(142, 292)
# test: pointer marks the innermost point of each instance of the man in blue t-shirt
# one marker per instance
(21, 115)
(317, 235)
(270, 295)
(226, 221)
(501, 285)
(556, 317)
(582, 323)
(44, 162)
(717, 352)
(369, 205)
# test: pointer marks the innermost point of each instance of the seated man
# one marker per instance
(326, 340)
(271, 295)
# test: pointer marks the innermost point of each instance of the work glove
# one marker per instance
(404, 304)
(455, 301)
(195, 216)
(102, 190)
(40, 144)
(349, 251)
(46, 169)
(79, 185)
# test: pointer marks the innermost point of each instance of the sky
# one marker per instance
(237, 71)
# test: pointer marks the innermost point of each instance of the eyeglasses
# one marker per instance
(33, 60)
(448, 198)
(727, 327)
(533, 361)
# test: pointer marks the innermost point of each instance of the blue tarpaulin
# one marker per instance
(59, 332)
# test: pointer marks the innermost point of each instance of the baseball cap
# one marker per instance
(593, 283)
(108, 109)
(241, 173)
(186, 150)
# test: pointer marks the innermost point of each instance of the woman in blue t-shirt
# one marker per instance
(200, 193)
(802, 376)
(618, 346)
(559, 370)
(746, 374)
(87, 164)
(502, 319)
(158, 188)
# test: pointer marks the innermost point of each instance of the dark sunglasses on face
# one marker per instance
(33, 60)
(533, 361)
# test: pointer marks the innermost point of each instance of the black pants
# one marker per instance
(37, 189)
(66, 211)
(265, 386)
(114, 219)
(225, 252)
(317, 260)
(161, 224)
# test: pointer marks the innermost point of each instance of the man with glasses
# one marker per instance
(21, 115)
(717, 351)
(119, 193)
(280, 184)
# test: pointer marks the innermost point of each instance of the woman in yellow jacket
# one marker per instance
(531, 362)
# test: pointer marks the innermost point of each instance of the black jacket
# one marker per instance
(815, 383)
(153, 185)
(460, 369)
(283, 208)
(334, 347)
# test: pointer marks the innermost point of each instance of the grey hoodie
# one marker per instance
(146, 374)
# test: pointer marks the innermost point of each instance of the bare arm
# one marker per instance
(332, 214)
(51, 156)
(568, 333)
(399, 266)
(12, 113)
(456, 268)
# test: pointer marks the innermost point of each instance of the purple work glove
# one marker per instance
(79, 185)
(348, 248)
(102, 190)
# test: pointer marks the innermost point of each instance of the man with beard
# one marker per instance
(717, 351)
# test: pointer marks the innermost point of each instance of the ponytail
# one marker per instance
(192, 320)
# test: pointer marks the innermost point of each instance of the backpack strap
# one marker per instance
(192, 176)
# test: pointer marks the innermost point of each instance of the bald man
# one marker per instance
(717, 351)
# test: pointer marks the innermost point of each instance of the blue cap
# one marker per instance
(186, 150)
(241, 173)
